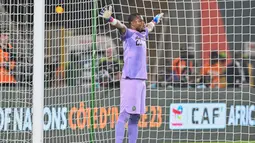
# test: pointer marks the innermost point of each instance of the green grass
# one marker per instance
(217, 142)
(233, 142)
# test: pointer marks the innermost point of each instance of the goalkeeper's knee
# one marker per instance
(134, 119)
(123, 117)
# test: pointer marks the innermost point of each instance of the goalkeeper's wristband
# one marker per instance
(112, 21)
(153, 22)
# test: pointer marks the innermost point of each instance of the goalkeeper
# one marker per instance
(134, 72)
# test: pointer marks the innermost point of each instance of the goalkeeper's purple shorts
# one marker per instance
(132, 96)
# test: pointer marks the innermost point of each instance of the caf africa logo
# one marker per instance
(178, 112)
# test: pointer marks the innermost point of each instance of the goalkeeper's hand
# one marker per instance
(157, 18)
(106, 13)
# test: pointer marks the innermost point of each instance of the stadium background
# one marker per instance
(180, 29)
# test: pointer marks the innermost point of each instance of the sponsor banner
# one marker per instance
(68, 117)
(197, 116)
(75, 118)
(241, 115)
(181, 116)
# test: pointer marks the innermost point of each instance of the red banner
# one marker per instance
(213, 35)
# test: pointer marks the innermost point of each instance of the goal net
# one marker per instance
(200, 85)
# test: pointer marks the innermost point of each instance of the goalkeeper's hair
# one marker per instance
(132, 17)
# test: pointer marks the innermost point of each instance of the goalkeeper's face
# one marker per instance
(138, 24)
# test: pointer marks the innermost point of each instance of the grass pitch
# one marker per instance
(217, 142)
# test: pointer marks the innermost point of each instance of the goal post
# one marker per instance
(38, 71)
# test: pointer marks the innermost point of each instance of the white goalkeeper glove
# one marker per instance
(157, 18)
(106, 13)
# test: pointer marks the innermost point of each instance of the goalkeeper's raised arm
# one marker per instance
(107, 15)
(154, 21)
(136, 21)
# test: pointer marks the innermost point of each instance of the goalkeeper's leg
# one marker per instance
(133, 128)
(132, 104)
(120, 126)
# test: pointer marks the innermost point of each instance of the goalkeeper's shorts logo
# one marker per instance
(133, 108)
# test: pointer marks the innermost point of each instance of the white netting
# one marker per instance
(16, 38)
(195, 98)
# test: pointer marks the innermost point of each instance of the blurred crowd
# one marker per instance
(218, 73)
(182, 72)
(7, 61)
(75, 67)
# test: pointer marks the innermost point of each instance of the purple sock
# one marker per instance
(120, 127)
(133, 128)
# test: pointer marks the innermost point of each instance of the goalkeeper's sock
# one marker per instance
(120, 127)
(133, 128)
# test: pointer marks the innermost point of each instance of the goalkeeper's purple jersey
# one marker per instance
(134, 44)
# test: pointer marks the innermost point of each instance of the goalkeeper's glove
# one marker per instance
(157, 18)
(106, 14)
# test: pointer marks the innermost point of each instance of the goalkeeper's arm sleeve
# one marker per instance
(150, 26)
(117, 24)
(154, 21)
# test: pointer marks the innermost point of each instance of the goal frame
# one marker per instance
(38, 69)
